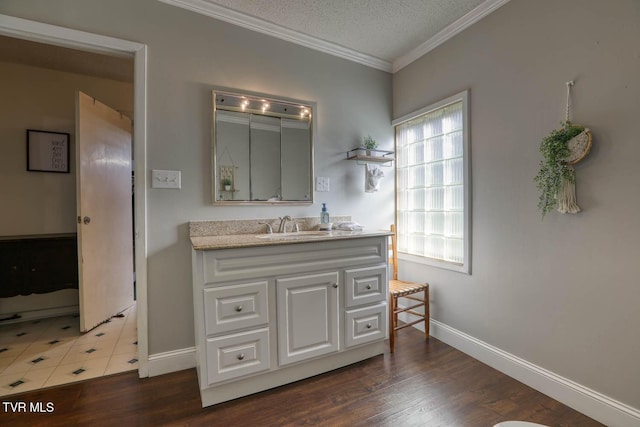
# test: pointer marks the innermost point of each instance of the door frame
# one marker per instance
(59, 36)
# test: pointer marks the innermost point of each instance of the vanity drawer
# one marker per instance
(365, 285)
(234, 307)
(237, 355)
(363, 325)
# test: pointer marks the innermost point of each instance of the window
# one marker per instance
(432, 184)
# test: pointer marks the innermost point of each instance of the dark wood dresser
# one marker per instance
(38, 264)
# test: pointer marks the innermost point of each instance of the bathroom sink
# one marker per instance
(295, 235)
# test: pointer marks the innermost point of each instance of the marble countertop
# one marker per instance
(251, 240)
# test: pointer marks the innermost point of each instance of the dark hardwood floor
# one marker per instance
(424, 383)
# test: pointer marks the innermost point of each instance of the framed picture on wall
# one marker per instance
(47, 151)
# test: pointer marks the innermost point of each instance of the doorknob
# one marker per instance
(86, 220)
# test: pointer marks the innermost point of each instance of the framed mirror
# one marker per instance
(262, 149)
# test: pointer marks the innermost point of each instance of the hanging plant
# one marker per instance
(554, 168)
(562, 149)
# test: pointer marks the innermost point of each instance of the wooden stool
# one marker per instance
(408, 290)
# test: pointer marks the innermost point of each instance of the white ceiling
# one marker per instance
(384, 34)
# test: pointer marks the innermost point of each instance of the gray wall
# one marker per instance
(188, 55)
(562, 293)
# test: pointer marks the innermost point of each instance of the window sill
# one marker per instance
(432, 262)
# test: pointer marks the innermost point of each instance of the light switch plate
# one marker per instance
(165, 179)
(322, 183)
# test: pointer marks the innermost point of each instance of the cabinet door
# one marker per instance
(307, 316)
(12, 270)
(365, 285)
(52, 265)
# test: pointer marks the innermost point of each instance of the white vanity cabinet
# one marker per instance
(269, 315)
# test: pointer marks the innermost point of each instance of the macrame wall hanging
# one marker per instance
(562, 149)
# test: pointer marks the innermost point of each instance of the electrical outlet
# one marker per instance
(322, 183)
(165, 179)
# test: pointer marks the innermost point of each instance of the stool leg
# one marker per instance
(426, 311)
(392, 322)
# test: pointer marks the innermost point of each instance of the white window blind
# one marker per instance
(432, 214)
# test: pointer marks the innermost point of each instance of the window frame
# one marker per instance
(465, 266)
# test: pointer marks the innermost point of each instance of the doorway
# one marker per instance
(52, 35)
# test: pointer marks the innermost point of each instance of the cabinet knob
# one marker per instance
(335, 285)
(368, 325)
(14, 268)
(241, 356)
(239, 308)
(86, 220)
(33, 269)
(369, 287)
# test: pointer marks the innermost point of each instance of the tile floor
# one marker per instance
(49, 352)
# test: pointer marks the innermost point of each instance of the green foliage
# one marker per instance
(369, 143)
(226, 181)
(553, 168)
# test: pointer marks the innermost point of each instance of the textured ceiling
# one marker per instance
(384, 29)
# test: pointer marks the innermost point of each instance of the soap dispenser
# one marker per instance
(324, 215)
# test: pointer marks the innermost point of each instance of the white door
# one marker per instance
(307, 316)
(104, 197)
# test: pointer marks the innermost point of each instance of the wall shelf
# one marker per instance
(363, 156)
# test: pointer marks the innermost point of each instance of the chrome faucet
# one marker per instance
(283, 223)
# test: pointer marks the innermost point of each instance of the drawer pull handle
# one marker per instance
(368, 325)
(239, 308)
(241, 356)
(335, 285)
(368, 287)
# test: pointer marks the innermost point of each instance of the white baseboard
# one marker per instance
(583, 399)
(172, 361)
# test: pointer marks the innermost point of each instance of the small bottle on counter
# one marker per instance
(324, 215)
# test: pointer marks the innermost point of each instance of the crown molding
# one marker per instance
(240, 19)
(216, 11)
(447, 32)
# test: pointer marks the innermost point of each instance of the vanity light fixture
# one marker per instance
(257, 105)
